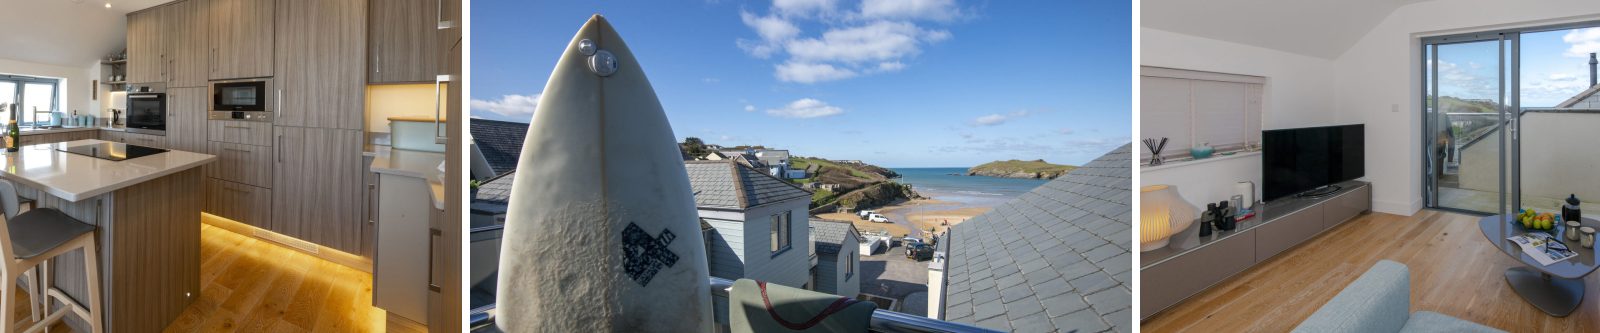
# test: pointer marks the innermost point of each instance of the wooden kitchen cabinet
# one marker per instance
(147, 140)
(317, 186)
(186, 118)
(186, 40)
(113, 136)
(401, 42)
(240, 132)
(241, 38)
(146, 64)
(321, 53)
(239, 202)
(244, 164)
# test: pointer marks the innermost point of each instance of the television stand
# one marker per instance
(1320, 192)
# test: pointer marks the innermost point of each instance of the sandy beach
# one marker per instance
(921, 214)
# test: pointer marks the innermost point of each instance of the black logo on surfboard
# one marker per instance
(646, 255)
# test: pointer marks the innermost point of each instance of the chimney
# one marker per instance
(1592, 64)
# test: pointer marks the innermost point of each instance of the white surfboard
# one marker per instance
(601, 233)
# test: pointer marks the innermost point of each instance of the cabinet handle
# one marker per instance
(277, 105)
(213, 60)
(237, 150)
(437, 102)
(280, 148)
(433, 233)
(239, 127)
(438, 15)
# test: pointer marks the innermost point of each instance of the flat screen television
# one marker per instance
(1300, 160)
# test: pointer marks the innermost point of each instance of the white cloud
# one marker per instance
(939, 10)
(812, 72)
(878, 41)
(806, 108)
(749, 108)
(1582, 41)
(509, 105)
(803, 7)
(770, 28)
(1064, 131)
(996, 119)
(710, 80)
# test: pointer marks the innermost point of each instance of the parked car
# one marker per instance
(919, 251)
(866, 214)
(875, 217)
(910, 240)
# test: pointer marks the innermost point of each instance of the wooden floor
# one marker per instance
(249, 285)
(1454, 271)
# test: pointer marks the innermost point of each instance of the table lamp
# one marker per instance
(1162, 213)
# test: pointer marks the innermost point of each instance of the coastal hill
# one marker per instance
(1035, 169)
(858, 185)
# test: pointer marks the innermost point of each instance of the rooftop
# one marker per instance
(500, 142)
(728, 185)
(1054, 259)
(830, 235)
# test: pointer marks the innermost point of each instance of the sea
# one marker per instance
(952, 184)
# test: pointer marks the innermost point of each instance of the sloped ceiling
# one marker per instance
(1317, 28)
(72, 33)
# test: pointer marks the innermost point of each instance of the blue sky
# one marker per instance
(1555, 66)
(921, 83)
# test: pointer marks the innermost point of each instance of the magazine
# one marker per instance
(1543, 247)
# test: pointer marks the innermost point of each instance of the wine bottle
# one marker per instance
(13, 137)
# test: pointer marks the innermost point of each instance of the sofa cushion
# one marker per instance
(1378, 301)
(1432, 322)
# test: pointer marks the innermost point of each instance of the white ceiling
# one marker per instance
(1318, 28)
(71, 33)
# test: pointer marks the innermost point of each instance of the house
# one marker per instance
(838, 262)
(499, 143)
(760, 222)
(1054, 259)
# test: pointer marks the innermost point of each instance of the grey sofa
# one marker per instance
(1380, 301)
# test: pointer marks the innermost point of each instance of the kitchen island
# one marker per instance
(147, 214)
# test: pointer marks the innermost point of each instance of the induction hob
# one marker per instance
(114, 151)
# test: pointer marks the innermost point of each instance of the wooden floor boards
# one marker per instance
(1454, 271)
(250, 285)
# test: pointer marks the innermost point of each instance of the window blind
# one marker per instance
(1191, 108)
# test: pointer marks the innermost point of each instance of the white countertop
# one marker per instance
(29, 131)
(76, 177)
(411, 163)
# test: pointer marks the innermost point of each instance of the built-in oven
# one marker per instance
(242, 99)
(147, 108)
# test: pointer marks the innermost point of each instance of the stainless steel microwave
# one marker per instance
(243, 99)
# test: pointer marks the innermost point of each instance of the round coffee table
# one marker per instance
(1555, 289)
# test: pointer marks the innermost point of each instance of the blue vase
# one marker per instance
(1201, 152)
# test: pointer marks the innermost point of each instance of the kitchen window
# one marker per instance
(780, 232)
(22, 95)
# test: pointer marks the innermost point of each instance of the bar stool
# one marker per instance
(37, 235)
(37, 304)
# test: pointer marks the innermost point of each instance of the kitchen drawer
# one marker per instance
(239, 202)
(241, 132)
(113, 136)
(246, 164)
(147, 140)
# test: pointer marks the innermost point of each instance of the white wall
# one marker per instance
(1297, 94)
(1377, 81)
(75, 93)
(1210, 180)
(1298, 90)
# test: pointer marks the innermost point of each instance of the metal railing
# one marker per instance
(482, 318)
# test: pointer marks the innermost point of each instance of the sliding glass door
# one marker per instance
(1468, 129)
(1510, 119)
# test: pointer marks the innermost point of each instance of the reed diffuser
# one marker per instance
(1155, 147)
